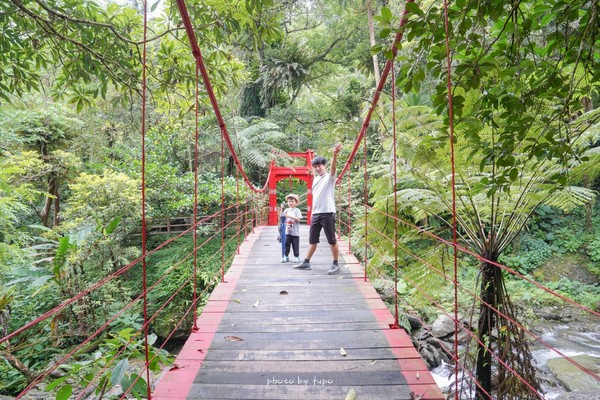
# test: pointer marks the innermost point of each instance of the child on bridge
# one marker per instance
(293, 216)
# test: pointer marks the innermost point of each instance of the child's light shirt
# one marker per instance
(292, 227)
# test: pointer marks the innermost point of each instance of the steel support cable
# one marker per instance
(46, 373)
(189, 29)
(165, 303)
(395, 177)
(366, 204)
(475, 296)
(144, 327)
(95, 286)
(57, 364)
(453, 179)
(222, 209)
(144, 233)
(349, 211)
(237, 209)
(480, 258)
(489, 306)
(382, 80)
(195, 231)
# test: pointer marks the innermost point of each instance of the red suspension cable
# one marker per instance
(382, 81)
(185, 18)
(366, 202)
(396, 324)
(195, 231)
(144, 264)
(454, 235)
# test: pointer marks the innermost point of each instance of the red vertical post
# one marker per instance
(273, 217)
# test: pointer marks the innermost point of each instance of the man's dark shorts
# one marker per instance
(325, 221)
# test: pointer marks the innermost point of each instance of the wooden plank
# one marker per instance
(298, 391)
(327, 373)
(253, 314)
(370, 354)
(335, 338)
(249, 327)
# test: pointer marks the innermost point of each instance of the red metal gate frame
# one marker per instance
(302, 173)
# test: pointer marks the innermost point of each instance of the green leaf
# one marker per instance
(55, 383)
(64, 393)
(118, 372)
(376, 49)
(384, 33)
(413, 8)
(139, 388)
(60, 257)
(112, 225)
(386, 14)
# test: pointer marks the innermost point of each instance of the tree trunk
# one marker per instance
(52, 189)
(19, 366)
(372, 41)
(56, 204)
(485, 328)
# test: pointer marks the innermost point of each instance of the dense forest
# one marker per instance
(77, 80)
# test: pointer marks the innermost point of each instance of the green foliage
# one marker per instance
(282, 74)
(95, 47)
(254, 142)
(43, 130)
(585, 295)
(119, 360)
(176, 264)
(533, 252)
(497, 87)
(593, 250)
(99, 199)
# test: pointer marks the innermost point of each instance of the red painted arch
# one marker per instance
(277, 174)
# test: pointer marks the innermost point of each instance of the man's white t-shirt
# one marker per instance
(323, 189)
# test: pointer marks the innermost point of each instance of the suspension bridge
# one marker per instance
(268, 331)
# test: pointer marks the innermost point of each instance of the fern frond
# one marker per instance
(570, 197)
(421, 203)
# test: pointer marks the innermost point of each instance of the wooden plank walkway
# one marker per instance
(273, 332)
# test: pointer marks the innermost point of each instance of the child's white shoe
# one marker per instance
(284, 259)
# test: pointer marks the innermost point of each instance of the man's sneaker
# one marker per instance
(296, 260)
(334, 269)
(303, 265)
(284, 259)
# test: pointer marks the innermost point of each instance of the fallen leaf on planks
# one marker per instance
(343, 352)
(234, 339)
(351, 395)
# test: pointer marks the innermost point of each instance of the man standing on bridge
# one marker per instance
(323, 210)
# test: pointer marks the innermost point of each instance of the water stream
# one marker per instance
(582, 338)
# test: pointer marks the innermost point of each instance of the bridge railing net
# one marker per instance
(183, 268)
(162, 292)
(431, 263)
